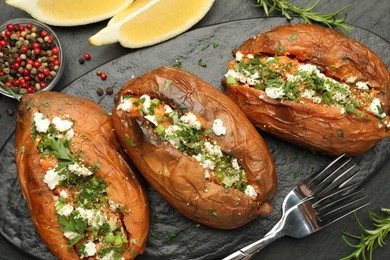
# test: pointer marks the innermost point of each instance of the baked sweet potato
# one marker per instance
(314, 87)
(195, 147)
(84, 199)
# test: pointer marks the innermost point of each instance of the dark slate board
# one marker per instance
(194, 241)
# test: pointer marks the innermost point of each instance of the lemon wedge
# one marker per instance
(70, 12)
(148, 22)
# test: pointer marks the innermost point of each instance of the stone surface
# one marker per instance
(212, 44)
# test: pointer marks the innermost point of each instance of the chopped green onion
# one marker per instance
(160, 129)
(231, 81)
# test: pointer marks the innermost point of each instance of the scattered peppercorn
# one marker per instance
(87, 56)
(100, 91)
(29, 57)
(103, 76)
(81, 61)
(109, 90)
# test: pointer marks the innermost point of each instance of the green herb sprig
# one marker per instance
(374, 238)
(305, 12)
(3, 86)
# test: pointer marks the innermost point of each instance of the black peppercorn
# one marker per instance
(100, 91)
(109, 90)
(81, 61)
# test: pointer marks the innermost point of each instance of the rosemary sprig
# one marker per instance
(373, 239)
(305, 12)
(3, 86)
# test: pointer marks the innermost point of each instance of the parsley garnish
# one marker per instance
(129, 141)
(73, 224)
(167, 85)
(281, 49)
(202, 64)
(178, 63)
(56, 147)
(293, 37)
(213, 213)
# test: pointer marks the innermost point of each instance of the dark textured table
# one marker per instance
(372, 15)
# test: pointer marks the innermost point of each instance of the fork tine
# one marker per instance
(339, 182)
(316, 176)
(342, 191)
(342, 207)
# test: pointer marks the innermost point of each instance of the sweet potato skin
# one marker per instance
(311, 125)
(179, 178)
(95, 138)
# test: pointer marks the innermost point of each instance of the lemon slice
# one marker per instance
(148, 22)
(70, 12)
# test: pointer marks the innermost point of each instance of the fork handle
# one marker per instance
(250, 250)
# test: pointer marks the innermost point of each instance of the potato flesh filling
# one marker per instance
(186, 133)
(285, 78)
(88, 218)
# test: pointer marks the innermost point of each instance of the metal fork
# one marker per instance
(335, 177)
(306, 218)
(317, 202)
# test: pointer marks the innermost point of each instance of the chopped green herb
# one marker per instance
(345, 58)
(160, 129)
(129, 141)
(212, 213)
(45, 104)
(29, 104)
(340, 133)
(173, 236)
(167, 85)
(380, 110)
(293, 37)
(205, 47)
(207, 132)
(350, 108)
(281, 49)
(96, 166)
(296, 175)
(178, 63)
(56, 147)
(215, 45)
(231, 81)
(202, 64)
(22, 149)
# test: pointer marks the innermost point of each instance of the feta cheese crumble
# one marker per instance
(191, 120)
(146, 103)
(250, 191)
(213, 150)
(239, 56)
(151, 119)
(62, 125)
(274, 93)
(52, 179)
(362, 85)
(218, 127)
(375, 106)
(90, 249)
(71, 234)
(42, 123)
(79, 170)
(125, 105)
